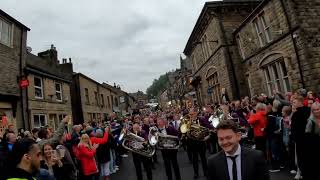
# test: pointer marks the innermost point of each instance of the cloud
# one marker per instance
(127, 42)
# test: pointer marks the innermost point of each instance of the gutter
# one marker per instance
(235, 80)
(20, 77)
(294, 43)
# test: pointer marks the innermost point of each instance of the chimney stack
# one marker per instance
(64, 60)
(51, 54)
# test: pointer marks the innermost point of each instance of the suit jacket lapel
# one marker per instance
(244, 164)
(224, 165)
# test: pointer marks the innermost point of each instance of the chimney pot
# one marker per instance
(69, 60)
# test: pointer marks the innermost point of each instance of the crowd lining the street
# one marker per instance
(285, 127)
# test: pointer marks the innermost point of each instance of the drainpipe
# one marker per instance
(294, 42)
(20, 76)
(235, 81)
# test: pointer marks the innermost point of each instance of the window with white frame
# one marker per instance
(262, 28)
(240, 47)
(38, 87)
(276, 76)
(5, 32)
(39, 120)
(58, 91)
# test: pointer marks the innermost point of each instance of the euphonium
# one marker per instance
(192, 130)
(137, 144)
(198, 132)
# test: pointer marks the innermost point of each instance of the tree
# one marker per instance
(157, 86)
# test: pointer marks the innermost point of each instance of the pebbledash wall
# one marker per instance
(286, 57)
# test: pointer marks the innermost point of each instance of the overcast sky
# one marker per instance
(130, 42)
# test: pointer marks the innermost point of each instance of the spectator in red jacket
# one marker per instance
(259, 122)
(97, 140)
(87, 152)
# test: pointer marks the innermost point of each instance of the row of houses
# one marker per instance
(39, 90)
(248, 47)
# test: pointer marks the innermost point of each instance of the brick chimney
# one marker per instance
(51, 54)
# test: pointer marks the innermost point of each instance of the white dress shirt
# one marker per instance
(163, 131)
(238, 161)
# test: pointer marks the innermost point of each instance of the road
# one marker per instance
(127, 170)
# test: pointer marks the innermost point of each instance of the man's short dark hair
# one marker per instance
(35, 130)
(21, 147)
(228, 124)
(43, 133)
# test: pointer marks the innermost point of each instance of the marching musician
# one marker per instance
(213, 141)
(199, 146)
(169, 155)
(137, 158)
(146, 124)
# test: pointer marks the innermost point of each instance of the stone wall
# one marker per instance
(48, 105)
(93, 106)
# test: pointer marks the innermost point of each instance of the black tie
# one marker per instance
(234, 167)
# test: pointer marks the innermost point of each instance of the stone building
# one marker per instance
(213, 52)
(140, 98)
(279, 43)
(124, 103)
(13, 37)
(91, 101)
(49, 99)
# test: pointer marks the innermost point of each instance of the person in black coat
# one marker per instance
(169, 155)
(226, 165)
(299, 121)
(103, 157)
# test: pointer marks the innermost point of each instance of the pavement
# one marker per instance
(127, 170)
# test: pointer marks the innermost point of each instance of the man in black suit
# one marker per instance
(235, 162)
(169, 155)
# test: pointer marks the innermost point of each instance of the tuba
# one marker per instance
(137, 144)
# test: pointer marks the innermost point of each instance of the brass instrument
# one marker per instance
(168, 141)
(137, 144)
(162, 141)
(185, 125)
(192, 130)
(198, 132)
(153, 136)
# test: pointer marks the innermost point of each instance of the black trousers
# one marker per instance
(261, 144)
(147, 163)
(214, 143)
(91, 177)
(199, 148)
(170, 158)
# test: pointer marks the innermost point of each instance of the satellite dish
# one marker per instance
(29, 49)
